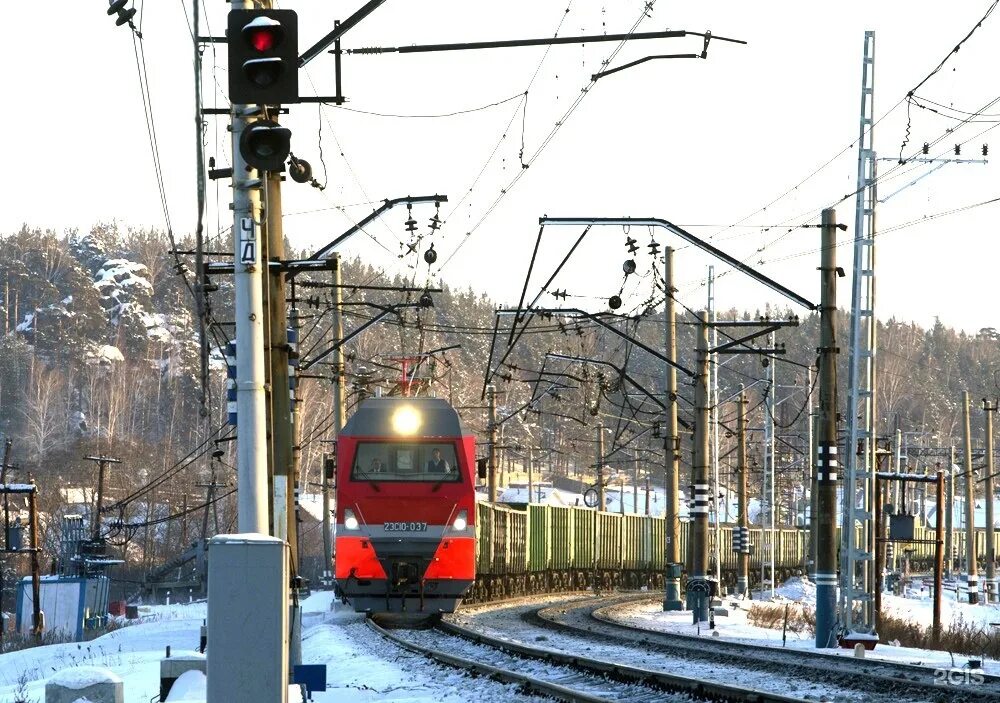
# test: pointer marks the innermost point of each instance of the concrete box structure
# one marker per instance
(88, 683)
(248, 589)
(175, 666)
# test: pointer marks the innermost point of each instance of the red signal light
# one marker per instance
(263, 39)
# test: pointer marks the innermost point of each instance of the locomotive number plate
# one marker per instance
(406, 527)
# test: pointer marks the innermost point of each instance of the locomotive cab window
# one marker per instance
(399, 461)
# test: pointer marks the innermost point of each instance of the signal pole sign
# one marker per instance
(248, 241)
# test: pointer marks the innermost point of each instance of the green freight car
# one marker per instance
(549, 549)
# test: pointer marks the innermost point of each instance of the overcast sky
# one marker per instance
(703, 143)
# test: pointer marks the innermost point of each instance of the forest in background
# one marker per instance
(99, 354)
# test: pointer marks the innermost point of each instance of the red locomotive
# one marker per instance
(406, 507)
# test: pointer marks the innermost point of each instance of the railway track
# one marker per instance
(869, 679)
(565, 677)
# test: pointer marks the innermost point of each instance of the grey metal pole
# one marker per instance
(339, 407)
(698, 586)
(826, 441)
(672, 460)
(991, 557)
(491, 402)
(601, 497)
(248, 278)
(949, 518)
(971, 568)
(742, 517)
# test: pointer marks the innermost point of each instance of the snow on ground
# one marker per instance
(361, 666)
(917, 605)
(734, 627)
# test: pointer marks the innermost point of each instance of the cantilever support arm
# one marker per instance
(390, 310)
(376, 213)
(594, 318)
(691, 239)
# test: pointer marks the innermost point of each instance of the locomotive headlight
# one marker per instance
(406, 420)
(462, 521)
(350, 522)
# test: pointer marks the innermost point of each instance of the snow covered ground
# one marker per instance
(361, 666)
(735, 626)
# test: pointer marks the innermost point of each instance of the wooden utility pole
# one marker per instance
(6, 499)
(827, 465)
(671, 442)
(102, 462)
(971, 567)
(491, 402)
(991, 557)
(742, 545)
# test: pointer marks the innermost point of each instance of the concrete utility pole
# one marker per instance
(601, 496)
(635, 487)
(531, 476)
(671, 440)
(826, 441)
(698, 585)
(991, 557)
(742, 517)
(949, 518)
(491, 402)
(102, 462)
(810, 482)
(770, 472)
(971, 568)
(248, 279)
(714, 394)
(339, 405)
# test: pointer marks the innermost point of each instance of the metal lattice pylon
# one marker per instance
(857, 552)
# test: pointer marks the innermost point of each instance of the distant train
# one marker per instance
(406, 507)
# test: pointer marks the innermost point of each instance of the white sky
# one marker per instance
(695, 142)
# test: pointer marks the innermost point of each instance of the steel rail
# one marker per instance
(660, 680)
(561, 693)
(871, 671)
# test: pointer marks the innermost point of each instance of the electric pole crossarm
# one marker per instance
(691, 239)
(545, 41)
(728, 346)
(339, 31)
(376, 213)
(602, 323)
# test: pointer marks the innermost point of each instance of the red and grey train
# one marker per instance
(406, 507)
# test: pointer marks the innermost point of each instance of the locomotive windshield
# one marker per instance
(405, 461)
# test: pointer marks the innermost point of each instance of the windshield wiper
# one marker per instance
(364, 475)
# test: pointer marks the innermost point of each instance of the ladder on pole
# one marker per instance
(857, 608)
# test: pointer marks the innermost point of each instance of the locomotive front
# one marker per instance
(406, 507)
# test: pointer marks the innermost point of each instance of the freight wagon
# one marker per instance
(549, 548)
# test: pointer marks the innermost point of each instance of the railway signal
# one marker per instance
(265, 145)
(263, 57)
